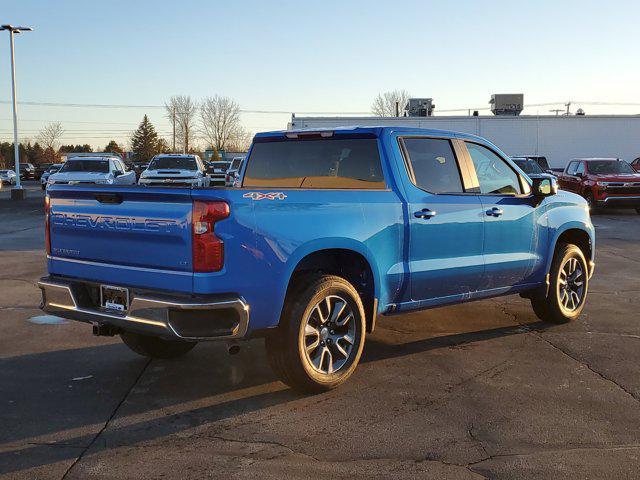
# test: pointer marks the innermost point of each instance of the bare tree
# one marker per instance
(50, 135)
(384, 105)
(220, 122)
(181, 111)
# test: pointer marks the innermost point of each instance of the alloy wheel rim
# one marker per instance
(329, 335)
(571, 284)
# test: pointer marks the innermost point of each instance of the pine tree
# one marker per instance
(144, 142)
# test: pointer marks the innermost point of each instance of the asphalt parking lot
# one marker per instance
(481, 390)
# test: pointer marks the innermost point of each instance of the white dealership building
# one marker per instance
(559, 138)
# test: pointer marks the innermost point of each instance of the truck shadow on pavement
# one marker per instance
(49, 419)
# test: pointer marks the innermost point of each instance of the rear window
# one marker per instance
(327, 163)
(100, 166)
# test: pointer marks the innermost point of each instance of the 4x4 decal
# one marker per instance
(265, 196)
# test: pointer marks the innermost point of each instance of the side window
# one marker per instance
(434, 165)
(494, 175)
(571, 169)
(580, 169)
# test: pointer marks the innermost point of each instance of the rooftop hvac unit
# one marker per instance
(507, 103)
(420, 107)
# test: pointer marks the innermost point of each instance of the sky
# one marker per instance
(308, 56)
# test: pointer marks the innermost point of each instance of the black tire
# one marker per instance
(156, 347)
(638, 211)
(552, 307)
(308, 302)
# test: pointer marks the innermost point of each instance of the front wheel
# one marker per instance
(568, 287)
(319, 341)
(156, 347)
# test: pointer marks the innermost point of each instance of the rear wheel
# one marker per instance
(319, 341)
(568, 286)
(156, 347)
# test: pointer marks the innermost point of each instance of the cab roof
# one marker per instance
(366, 131)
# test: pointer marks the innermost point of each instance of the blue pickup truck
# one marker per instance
(328, 230)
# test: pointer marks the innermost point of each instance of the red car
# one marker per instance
(603, 182)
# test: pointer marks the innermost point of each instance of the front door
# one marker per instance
(510, 220)
(445, 222)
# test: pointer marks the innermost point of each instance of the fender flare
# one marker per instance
(575, 225)
(332, 243)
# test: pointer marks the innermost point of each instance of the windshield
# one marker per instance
(54, 168)
(235, 165)
(4, 172)
(98, 166)
(606, 167)
(180, 163)
(528, 166)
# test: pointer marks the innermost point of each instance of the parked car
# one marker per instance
(139, 167)
(40, 169)
(8, 177)
(233, 173)
(217, 171)
(603, 182)
(531, 167)
(54, 168)
(92, 170)
(330, 229)
(636, 164)
(539, 159)
(27, 171)
(175, 169)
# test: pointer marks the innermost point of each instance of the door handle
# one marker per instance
(495, 212)
(425, 213)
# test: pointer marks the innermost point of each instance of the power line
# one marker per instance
(288, 112)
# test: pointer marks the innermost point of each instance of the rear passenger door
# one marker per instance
(445, 220)
(510, 219)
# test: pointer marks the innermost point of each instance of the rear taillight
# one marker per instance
(208, 250)
(47, 233)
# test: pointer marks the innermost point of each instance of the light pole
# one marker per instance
(17, 193)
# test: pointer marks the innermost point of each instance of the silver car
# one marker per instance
(8, 176)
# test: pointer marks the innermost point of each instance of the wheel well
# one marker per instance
(348, 264)
(578, 237)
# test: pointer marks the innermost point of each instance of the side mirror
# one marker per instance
(544, 187)
(117, 173)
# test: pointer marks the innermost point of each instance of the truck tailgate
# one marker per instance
(123, 235)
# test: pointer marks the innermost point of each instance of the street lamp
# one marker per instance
(17, 193)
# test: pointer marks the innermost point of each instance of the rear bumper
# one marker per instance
(627, 201)
(158, 315)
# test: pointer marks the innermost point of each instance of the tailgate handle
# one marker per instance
(113, 198)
